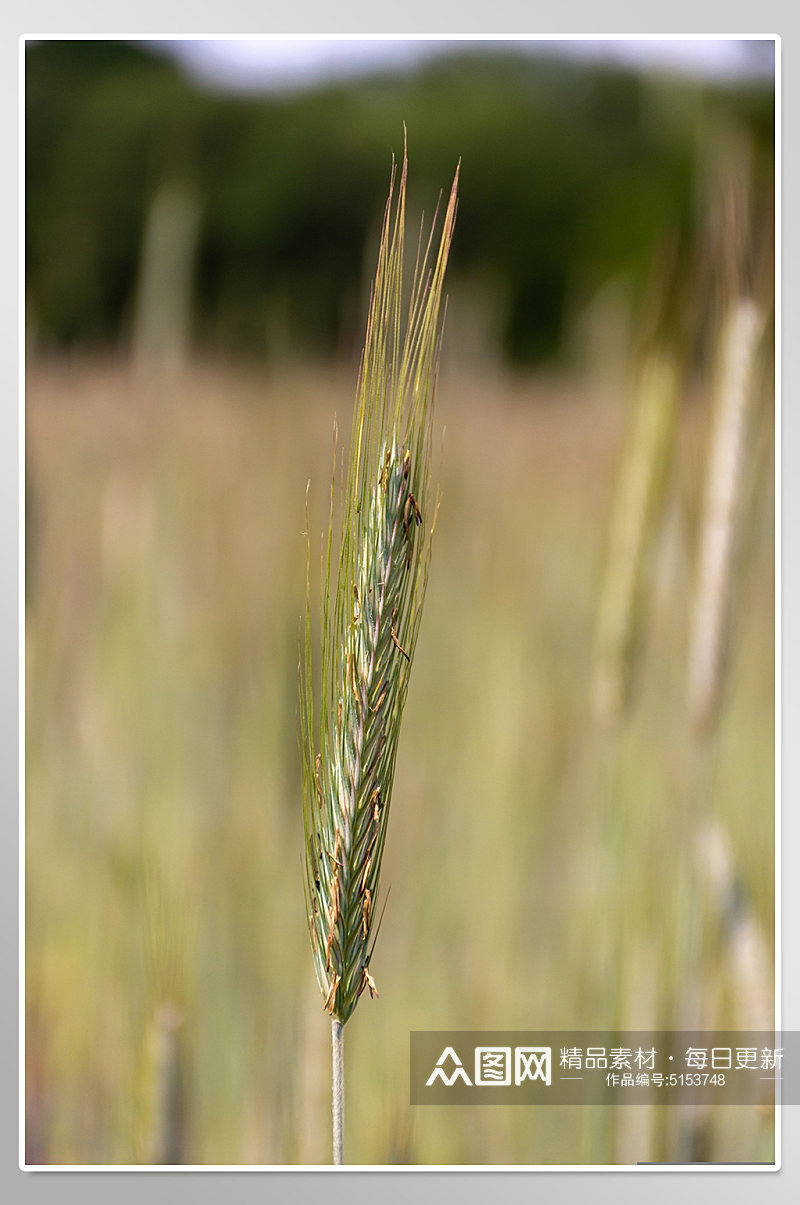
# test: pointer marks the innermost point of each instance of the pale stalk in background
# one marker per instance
(720, 893)
(636, 509)
(164, 1141)
(170, 244)
(635, 516)
(739, 339)
(711, 633)
(163, 1103)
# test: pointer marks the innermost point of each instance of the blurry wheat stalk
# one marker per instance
(637, 504)
(167, 932)
(164, 1087)
(712, 621)
(742, 323)
(163, 300)
(741, 332)
(745, 948)
(370, 623)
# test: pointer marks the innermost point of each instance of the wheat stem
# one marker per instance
(337, 1043)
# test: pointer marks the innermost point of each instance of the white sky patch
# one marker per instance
(277, 64)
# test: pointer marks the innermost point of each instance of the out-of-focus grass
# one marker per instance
(163, 835)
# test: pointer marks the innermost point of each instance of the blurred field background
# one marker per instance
(583, 830)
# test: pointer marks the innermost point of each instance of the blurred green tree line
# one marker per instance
(569, 174)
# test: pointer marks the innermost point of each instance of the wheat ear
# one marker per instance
(370, 621)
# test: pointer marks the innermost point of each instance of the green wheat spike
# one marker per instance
(370, 621)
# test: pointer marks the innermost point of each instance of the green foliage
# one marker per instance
(573, 173)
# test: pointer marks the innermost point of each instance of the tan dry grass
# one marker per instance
(161, 694)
